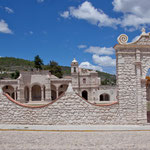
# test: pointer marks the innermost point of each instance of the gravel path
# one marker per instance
(105, 140)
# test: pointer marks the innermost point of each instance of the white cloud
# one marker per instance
(100, 50)
(65, 14)
(9, 10)
(40, 1)
(88, 12)
(87, 65)
(104, 60)
(4, 27)
(135, 14)
(81, 46)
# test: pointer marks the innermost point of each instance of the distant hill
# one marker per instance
(11, 64)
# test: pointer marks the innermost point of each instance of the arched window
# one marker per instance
(74, 69)
(104, 97)
(84, 80)
(85, 95)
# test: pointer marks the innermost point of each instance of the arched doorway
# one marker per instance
(36, 93)
(53, 92)
(26, 94)
(9, 90)
(85, 94)
(62, 88)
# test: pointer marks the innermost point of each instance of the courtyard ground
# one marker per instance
(74, 140)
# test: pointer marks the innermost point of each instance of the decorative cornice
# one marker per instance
(133, 46)
(143, 41)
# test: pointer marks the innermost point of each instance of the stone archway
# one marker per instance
(36, 93)
(85, 94)
(9, 90)
(132, 63)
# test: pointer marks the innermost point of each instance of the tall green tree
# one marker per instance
(38, 62)
(15, 75)
(55, 69)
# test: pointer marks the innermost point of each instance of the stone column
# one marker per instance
(139, 88)
(42, 94)
(15, 94)
(57, 92)
(18, 93)
(47, 94)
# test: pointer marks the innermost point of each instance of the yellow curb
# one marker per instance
(70, 130)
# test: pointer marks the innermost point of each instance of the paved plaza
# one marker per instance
(75, 140)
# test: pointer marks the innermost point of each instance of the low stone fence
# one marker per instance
(70, 109)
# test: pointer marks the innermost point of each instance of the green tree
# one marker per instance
(38, 62)
(55, 69)
(15, 75)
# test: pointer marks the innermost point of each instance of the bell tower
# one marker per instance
(74, 67)
(75, 75)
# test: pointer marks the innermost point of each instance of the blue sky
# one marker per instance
(63, 29)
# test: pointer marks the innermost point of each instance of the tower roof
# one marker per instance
(74, 60)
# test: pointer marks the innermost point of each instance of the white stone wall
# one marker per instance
(68, 110)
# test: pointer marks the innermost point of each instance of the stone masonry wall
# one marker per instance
(70, 109)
